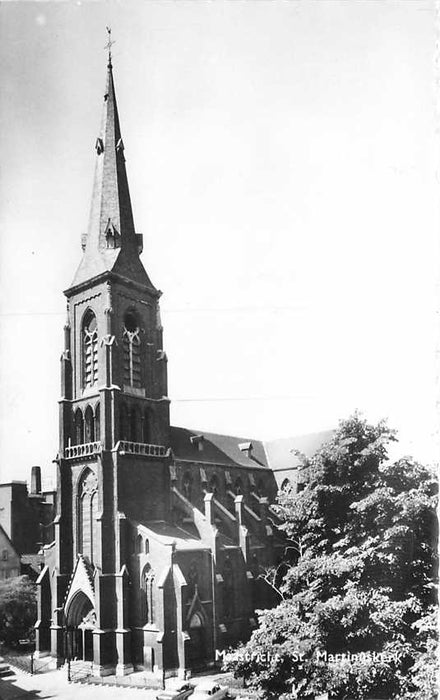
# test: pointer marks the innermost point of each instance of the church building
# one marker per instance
(161, 533)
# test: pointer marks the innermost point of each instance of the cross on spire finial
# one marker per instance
(109, 45)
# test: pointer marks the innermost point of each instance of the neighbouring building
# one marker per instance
(9, 559)
(27, 517)
(160, 532)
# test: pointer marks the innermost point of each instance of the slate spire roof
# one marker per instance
(111, 243)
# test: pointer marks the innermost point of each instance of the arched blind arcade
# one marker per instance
(90, 350)
(132, 350)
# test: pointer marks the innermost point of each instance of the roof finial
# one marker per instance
(109, 45)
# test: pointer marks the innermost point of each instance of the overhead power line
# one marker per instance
(241, 398)
(232, 309)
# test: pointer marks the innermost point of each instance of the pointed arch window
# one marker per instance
(131, 343)
(89, 425)
(79, 427)
(286, 485)
(90, 349)
(228, 588)
(193, 579)
(213, 485)
(87, 513)
(238, 487)
(97, 422)
(260, 488)
(138, 544)
(187, 485)
(148, 577)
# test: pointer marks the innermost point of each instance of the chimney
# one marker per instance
(36, 480)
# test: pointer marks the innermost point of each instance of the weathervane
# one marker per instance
(109, 45)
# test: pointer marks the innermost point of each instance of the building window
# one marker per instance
(187, 486)
(79, 427)
(89, 425)
(238, 487)
(97, 422)
(193, 579)
(213, 485)
(5, 555)
(131, 350)
(90, 350)
(286, 485)
(87, 513)
(148, 587)
(228, 588)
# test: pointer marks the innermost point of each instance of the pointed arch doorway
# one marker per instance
(196, 649)
(80, 623)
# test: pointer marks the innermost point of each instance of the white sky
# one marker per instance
(283, 165)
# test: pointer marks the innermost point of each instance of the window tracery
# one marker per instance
(148, 587)
(87, 513)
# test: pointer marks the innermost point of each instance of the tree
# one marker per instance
(356, 617)
(18, 609)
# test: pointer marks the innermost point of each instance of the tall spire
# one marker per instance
(111, 234)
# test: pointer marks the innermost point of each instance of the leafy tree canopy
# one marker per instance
(357, 616)
(18, 608)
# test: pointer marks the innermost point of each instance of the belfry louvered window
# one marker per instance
(132, 350)
(90, 350)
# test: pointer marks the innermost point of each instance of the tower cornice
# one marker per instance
(114, 277)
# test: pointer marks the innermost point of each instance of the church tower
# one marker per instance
(114, 419)
(160, 532)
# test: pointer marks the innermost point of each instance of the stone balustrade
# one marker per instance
(85, 450)
(141, 448)
(124, 447)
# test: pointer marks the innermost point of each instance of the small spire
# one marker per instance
(109, 45)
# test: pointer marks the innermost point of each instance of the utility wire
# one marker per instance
(233, 309)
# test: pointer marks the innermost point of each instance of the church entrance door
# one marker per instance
(81, 620)
(196, 643)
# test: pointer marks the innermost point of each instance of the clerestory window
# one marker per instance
(132, 350)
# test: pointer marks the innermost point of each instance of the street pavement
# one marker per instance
(54, 684)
